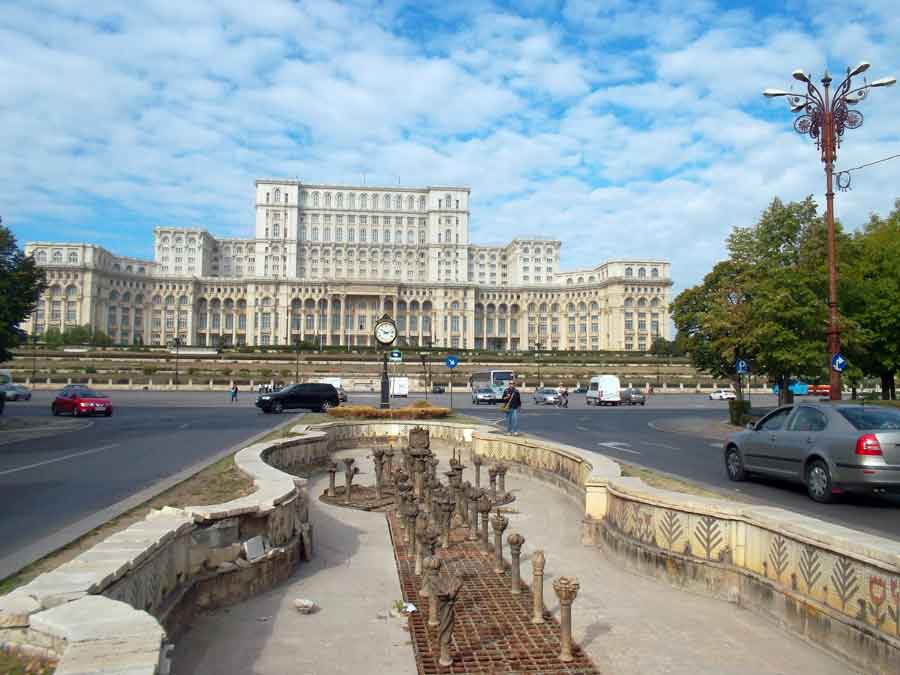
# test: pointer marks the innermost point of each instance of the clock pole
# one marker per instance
(385, 383)
(385, 344)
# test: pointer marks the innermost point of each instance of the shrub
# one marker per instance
(90, 370)
(226, 371)
(266, 372)
(149, 370)
(420, 410)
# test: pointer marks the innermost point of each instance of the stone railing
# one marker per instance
(835, 586)
(117, 606)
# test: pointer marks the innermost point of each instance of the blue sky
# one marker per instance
(624, 129)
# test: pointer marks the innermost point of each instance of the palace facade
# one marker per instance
(328, 260)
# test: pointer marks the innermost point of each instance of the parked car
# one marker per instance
(830, 448)
(722, 395)
(437, 389)
(2, 404)
(15, 392)
(546, 396)
(80, 401)
(342, 395)
(604, 390)
(484, 395)
(580, 390)
(633, 397)
(309, 396)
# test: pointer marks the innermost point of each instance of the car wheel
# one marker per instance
(325, 406)
(108, 413)
(76, 412)
(54, 409)
(278, 407)
(734, 465)
(818, 482)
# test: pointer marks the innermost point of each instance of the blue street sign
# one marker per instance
(395, 355)
(741, 367)
(452, 362)
(838, 363)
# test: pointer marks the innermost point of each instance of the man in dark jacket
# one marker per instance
(512, 401)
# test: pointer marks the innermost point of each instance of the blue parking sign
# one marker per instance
(451, 361)
(741, 367)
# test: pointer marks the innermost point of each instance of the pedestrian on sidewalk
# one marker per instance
(564, 398)
(512, 401)
(234, 393)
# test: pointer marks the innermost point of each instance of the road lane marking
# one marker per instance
(185, 425)
(58, 459)
(578, 427)
(661, 445)
(615, 445)
(715, 445)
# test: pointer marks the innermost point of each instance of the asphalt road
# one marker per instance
(53, 483)
(627, 434)
(50, 483)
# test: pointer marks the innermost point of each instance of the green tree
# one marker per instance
(21, 285)
(765, 303)
(870, 295)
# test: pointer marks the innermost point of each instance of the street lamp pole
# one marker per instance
(424, 373)
(297, 363)
(537, 346)
(34, 341)
(824, 117)
(176, 341)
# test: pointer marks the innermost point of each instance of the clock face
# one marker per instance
(385, 332)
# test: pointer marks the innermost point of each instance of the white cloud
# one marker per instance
(623, 128)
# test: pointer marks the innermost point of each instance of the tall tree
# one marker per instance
(21, 285)
(870, 295)
(765, 302)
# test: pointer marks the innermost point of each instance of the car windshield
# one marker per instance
(866, 417)
(548, 391)
(87, 393)
(485, 391)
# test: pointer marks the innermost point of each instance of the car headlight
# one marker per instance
(265, 398)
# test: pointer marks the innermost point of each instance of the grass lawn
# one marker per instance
(13, 664)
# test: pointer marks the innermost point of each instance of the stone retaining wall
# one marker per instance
(116, 606)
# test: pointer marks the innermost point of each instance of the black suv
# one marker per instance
(312, 396)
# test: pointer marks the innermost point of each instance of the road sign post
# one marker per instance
(451, 362)
(839, 363)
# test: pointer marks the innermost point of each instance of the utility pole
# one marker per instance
(176, 341)
(297, 363)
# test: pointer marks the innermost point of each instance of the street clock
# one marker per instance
(385, 331)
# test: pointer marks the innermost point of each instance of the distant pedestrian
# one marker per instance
(234, 393)
(564, 398)
(512, 401)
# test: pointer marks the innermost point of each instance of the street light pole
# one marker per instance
(537, 346)
(424, 373)
(297, 363)
(177, 342)
(34, 341)
(825, 117)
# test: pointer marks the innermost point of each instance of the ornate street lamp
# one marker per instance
(825, 116)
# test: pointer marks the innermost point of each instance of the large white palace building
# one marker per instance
(328, 260)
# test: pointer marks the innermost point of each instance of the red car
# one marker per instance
(81, 401)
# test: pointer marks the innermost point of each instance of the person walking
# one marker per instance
(234, 393)
(564, 398)
(512, 401)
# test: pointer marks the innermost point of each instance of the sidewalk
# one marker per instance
(353, 578)
(629, 624)
(626, 624)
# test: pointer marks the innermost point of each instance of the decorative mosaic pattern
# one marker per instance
(857, 589)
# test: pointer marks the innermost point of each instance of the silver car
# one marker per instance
(546, 396)
(830, 448)
(15, 392)
(484, 395)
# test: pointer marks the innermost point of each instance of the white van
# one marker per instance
(604, 390)
(400, 386)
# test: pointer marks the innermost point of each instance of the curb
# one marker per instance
(22, 558)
